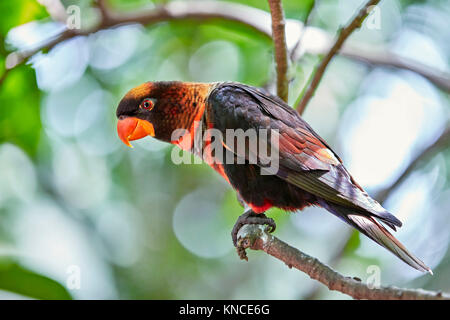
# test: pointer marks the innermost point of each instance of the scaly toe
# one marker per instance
(250, 217)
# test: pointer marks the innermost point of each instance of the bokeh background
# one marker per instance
(75, 201)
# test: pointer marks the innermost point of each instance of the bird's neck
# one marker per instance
(192, 97)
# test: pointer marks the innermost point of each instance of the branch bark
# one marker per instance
(344, 33)
(256, 237)
(281, 52)
(442, 142)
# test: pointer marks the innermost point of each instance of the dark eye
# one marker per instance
(147, 104)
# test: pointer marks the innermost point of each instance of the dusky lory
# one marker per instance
(308, 171)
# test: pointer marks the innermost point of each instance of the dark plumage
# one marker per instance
(309, 172)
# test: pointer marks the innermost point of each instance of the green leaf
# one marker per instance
(19, 12)
(353, 243)
(20, 122)
(17, 279)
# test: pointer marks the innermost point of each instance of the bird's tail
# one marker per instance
(373, 229)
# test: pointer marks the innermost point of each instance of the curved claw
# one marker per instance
(250, 217)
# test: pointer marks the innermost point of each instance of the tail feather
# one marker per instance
(370, 227)
(374, 230)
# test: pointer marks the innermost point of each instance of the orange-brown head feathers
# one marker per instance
(159, 108)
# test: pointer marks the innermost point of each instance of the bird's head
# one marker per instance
(158, 108)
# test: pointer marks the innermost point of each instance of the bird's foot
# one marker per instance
(249, 217)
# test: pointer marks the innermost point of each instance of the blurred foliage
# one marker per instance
(18, 93)
(20, 280)
(19, 12)
(18, 96)
(141, 227)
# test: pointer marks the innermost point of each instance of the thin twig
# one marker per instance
(253, 18)
(3, 77)
(104, 11)
(392, 60)
(343, 35)
(281, 52)
(297, 46)
(442, 142)
(256, 19)
(256, 237)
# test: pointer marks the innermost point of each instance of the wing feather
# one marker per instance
(305, 160)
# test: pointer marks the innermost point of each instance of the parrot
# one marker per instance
(308, 171)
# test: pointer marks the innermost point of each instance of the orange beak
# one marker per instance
(131, 128)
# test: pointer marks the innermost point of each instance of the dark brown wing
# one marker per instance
(305, 160)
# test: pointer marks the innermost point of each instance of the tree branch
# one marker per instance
(3, 76)
(256, 237)
(343, 35)
(252, 236)
(253, 18)
(296, 49)
(389, 59)
(281, 52)
(442, 142)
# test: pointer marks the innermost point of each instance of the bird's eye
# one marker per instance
(147, 104)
